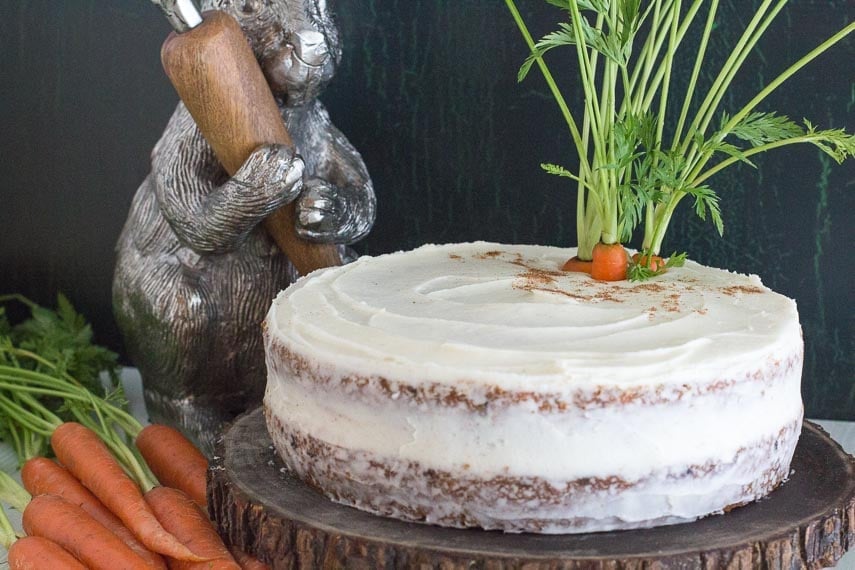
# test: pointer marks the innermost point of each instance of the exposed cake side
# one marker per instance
(409, 490)
(700, 413)
(460, 314)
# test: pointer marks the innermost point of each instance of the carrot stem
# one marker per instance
(38, 407)
(99, 415)
(121, 452)
(16, 442)
(25, 418)
(7, 531)
(771, 86)
(69, 388)
(806, 138)
(553, 87)
(12, 493)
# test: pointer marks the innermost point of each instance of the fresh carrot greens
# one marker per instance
(645, 266)
(50, 372)
(634, 169)
(103, 476)
(62, 337)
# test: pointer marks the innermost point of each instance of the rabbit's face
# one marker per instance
(295, 42)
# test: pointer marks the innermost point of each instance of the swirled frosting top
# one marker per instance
(507, 314)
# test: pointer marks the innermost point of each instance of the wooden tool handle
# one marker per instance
(217, 76)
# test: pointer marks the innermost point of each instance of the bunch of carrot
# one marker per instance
(106, 503)
(612, 263)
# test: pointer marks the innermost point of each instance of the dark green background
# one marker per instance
(427, 93)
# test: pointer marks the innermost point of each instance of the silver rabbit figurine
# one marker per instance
(195, 273)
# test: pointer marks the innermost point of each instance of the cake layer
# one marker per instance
(412, 490)
(465, 313)
(627, 441)
(484, 364)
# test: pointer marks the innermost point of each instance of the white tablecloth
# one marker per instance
(843, 432)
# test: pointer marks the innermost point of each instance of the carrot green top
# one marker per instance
(634, 169)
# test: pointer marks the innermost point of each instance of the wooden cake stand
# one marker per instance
(809, 522)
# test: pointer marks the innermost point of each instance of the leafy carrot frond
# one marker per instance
(117, 397)
(563, 36)
(760, 128)
(633, 200)
(626, 173)
(63, 338)
(557, 170)
(706, 200)
(613, 40)
(766, 130)
(713, 146)
(39, 391)
(57, 344)
(634, 138)
(836, 143)
(639, 271)
(667, 170)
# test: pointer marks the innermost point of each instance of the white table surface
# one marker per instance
(843, 432)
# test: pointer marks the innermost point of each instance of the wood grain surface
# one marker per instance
(808, 523)
(218, 78)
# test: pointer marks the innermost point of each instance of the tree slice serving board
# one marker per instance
(259, 506)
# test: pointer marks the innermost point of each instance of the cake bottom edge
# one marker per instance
(405, 490)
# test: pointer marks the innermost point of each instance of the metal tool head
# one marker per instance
(183, 15)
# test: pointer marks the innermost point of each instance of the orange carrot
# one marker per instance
(81, 452)
(577, 265)
(182, 517)
(248, 562)
(37, 553)
(69, 526)
(41, 476)
(609, 263)
(654, 262)
(175, 461)
(179, 464)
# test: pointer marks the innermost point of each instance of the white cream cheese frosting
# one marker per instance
(485, 361)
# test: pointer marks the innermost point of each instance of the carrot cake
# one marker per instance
(477, 385)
